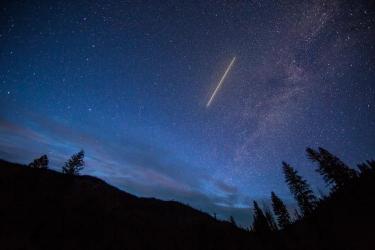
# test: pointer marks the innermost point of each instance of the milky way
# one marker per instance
(129, 83)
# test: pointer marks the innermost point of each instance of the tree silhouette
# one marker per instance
(297, 215)
(260, 223)
(300, 189)
(232, 221)
(41, 162)
(270, 219)
(279, 208)
(75, 164)
(367, 167)
(334, 171)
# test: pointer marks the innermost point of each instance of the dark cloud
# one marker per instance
(226, 187)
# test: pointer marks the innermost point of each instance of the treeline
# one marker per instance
(336, 175)
(73, 166)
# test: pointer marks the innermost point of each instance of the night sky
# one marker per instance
(129, 83)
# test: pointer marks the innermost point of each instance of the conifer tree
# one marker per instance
(270, 219)
(279, 208)
(297, 215)
(367, 167)
(232, 221)
(75, 164)
(260, 223)
(334, 171)
(300, 189)
(41, 162)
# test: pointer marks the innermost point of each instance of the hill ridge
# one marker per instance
(80, 209)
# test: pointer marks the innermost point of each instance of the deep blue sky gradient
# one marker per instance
(129, 82)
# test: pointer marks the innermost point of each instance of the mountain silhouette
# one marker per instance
(45, 209)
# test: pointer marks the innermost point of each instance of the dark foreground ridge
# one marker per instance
(44, 209)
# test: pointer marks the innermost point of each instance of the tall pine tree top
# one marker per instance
(280, 210)
(270, 219)
(334, 171)
(260, 222)
(300, 189)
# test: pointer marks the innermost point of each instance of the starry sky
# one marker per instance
(128, 82)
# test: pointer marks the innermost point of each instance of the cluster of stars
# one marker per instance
(129, 83)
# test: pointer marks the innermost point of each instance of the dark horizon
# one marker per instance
(130, 83)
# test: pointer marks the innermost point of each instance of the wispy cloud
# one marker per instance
(135, 167)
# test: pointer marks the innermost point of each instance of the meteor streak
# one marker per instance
(221, 82)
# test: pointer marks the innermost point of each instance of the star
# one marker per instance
(137, 79)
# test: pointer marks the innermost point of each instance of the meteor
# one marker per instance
(220, 82)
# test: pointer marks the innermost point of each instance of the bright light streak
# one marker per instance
(221, 82)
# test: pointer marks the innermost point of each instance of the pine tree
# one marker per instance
(300, 189)
(260, 223)
(279, 208)
(41, 162)
(367, 167)
(297, 215)
(232, 221)
(75, 164)
(334, 171)
(270, 219)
